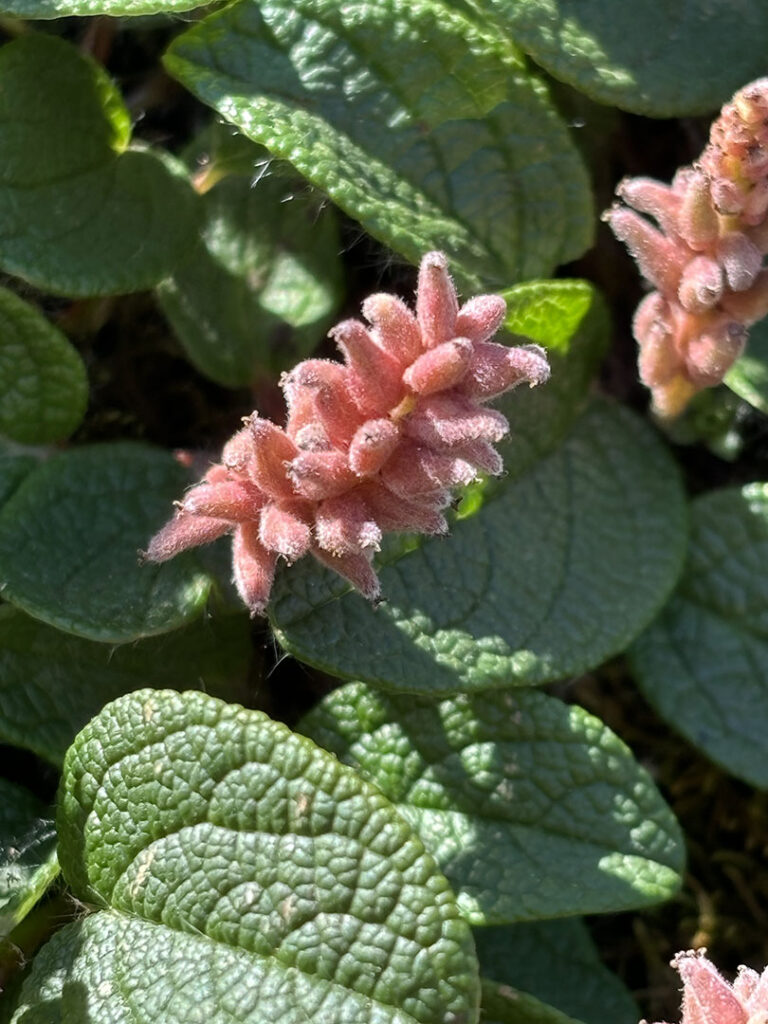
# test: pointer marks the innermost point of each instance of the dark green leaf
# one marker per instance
(52, 683)
(556, 961)
(43, 386)
(704, 662)
(559, 570)
(78, 215)
(69, 542)
(246, 876)
(92, 8)
(449, 146)
(257, 292)
(532, 808)
(27, 853)
(502, 1004)
(660, 57)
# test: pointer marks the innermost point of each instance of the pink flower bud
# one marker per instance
(394, 327)
(436, 304)
(284, 532)
(447, 420)
(253, 568)
(393, 512)
(319, 475)
(707, 997)
(375, 381)
(751, 305)
(698, 222)
(233, 500)
(372, 445)
(649, 196)
(417, 470)
(355, 568)
(344, 525)
(238, 450)
(660, 260)
(711, 354)
(740, 258)
(495, 369)
(481, 317)
(272, 450)
(184, 532)
(701, 285)
(440, 368)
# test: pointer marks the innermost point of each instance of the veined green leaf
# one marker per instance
(70, 537)
(561, 569)
(570, 319)
(246, 876)
(556, 961)
(78, 214)
(28, 862)
(660, 57)
(704, 662)
(532, 808)
(92, 8)
(451, 145)
(52, 683)
(259, 288)
(43, 385)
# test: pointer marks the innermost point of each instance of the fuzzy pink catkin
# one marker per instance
(374, 444)
(709, 999)
(704, 258)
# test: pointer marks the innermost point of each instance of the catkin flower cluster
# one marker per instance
(374, 444)
(704, 257)
(709, 999)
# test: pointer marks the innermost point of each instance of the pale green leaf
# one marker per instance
(704, 662)
(556, 961)
(43, 385)
(259, 288)
(532, 808)
(560, 569)
(570, 319)
(662, 58)
(70, 537)
(28, 862)
(748, 377)
(451, 146)
(43, 9)
(52, 683)
(246, 876)
(79, 215)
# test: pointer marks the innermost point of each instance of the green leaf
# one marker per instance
(246, 876)
(704, 662)
(91, 8)
(13, 469)
(660, 58)
(531, 808)
(79, 215)
(557, 962)
(559, 570)
(52, 683)
(43, 385)
(748, 377)
(28, 862)
(453, 146)
(502, 1004)
(260, 286)
(570, 319)
(69, 542)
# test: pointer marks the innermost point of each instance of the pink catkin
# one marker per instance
(709, 999)
(704, 259)
(371, 445)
